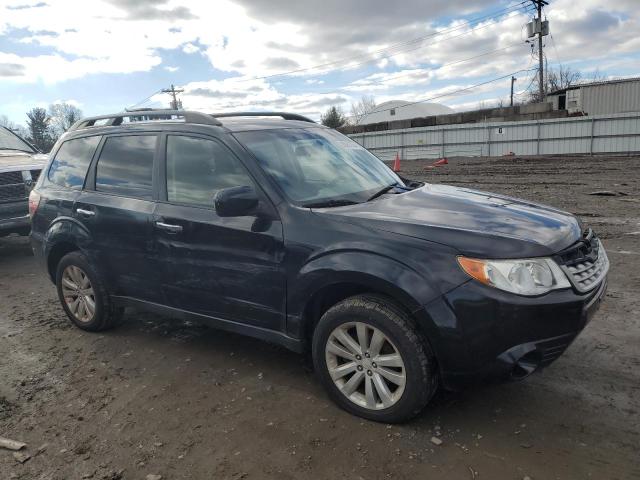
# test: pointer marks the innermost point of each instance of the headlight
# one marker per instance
(532, 276)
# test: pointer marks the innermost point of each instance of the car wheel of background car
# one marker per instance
(372, 361)
(83, 295)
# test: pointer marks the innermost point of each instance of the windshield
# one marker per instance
(315, 166)
(10, 141)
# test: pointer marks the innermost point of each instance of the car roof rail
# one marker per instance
(116, 119)
(284, 115)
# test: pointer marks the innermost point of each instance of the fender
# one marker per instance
(65, 229)
(366, 268)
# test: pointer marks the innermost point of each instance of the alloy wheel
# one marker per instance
(78, 294)
(365, 365)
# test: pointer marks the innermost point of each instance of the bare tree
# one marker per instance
(5, 122)
(557, 79)
(63, 115)
(13, 126)
(597, 76)
(564, 77)
(365, 105)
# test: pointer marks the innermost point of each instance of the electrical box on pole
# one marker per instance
(536, 27)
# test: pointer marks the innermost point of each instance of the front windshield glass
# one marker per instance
(316, 165)
(10, 141)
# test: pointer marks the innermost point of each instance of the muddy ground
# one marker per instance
(161, 397)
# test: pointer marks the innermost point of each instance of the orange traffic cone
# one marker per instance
(396, 163)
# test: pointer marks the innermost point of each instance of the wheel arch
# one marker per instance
(332, 293)
(65, 235)
(57, 252)
(332, 278)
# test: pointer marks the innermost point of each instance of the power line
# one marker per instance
(555, 49)
(394, 77)
(337, 90)
(503, 11)
(448, 94)
(394, 47)
(144, 100)
(451, 93)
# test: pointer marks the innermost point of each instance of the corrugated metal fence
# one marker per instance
(576, 135)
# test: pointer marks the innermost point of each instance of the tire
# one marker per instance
(75, 268)
(414, 383)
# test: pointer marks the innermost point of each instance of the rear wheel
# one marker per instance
(372, 361)
(83, 295)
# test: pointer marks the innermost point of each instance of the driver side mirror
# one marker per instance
(236, 201)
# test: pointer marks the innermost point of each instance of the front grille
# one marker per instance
(585, 263)
(12, 187)
(12, 192)
(10, 178)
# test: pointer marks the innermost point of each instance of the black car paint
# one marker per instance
(262, 274)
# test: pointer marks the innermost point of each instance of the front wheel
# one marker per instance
(372, 361)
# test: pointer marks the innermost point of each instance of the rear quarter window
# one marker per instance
(125, 166)
(69, 167)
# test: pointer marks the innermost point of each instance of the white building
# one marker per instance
(599, 98)
(401, 110)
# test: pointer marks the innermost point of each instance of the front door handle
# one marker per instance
(168, 227)
(85, 213)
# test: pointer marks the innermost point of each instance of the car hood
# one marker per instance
(476, 223)
(14, 160)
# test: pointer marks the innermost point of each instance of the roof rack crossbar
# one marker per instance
(117, 118)
(284, 115)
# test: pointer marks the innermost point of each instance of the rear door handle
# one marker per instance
(85, 213)
(168, 227)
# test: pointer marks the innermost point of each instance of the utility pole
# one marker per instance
(539, 30)
(175, 103)
(513, 80)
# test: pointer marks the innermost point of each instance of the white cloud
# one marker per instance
(262, 37)
(250, 38)
(190, 48)
(240, 93)
(171, 69)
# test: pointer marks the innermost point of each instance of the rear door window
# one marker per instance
(69, 167)
(125, 166)
(197, 168)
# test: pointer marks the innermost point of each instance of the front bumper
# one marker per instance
(14, 218)
(482, 333)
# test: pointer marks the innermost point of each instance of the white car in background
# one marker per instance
(20, 167)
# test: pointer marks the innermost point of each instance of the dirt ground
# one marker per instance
(161, 397)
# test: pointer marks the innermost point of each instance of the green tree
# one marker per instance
(333, 117)
(38, 125)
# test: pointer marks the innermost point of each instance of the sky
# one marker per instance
(295, 55)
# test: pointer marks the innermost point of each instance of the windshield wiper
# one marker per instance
(382, 191)
(329, 203)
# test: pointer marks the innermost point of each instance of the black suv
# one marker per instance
(270, 225)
